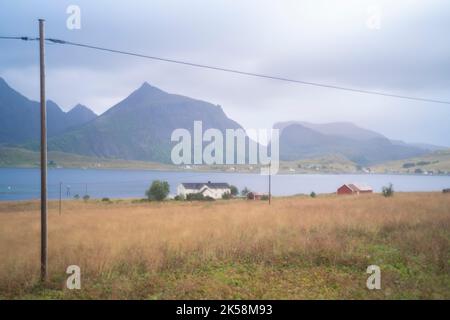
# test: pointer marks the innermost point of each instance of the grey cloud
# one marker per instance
(310, 40)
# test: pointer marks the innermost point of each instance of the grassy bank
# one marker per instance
(436, 163)
(296, 248)
(11, 157)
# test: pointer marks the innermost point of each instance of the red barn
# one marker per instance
(352, 188)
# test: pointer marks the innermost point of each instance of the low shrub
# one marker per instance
(180, 197)
(198, 197)
(388, 191)
(195, 197)
(226, 196)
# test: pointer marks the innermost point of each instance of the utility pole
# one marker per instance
(43, 154)
(60, 197)
(270, 184)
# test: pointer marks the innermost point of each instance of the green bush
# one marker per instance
(265, 197)
(198, 197)
(86, 197)
(76, 197)
(195, 196)
(226, 196)
(388, 191)
(245, 192)
(106, 200)
(158, 191)
(312, 194)
(234, 190)
(179, 197)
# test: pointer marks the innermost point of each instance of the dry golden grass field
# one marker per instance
(297, 248)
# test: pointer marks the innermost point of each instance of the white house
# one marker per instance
(208, 189)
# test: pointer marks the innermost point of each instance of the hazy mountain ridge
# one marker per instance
(20, 117)
(359, 145)
(354, 132)
(346, 129)
(140, 126)
(80, 114)
(425, 146)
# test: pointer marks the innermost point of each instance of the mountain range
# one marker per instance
(300, 140)
(139, 128)
(20, 117)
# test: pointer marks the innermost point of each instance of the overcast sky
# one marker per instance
(405, 49)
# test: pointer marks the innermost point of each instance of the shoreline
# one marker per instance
(175, 169)
(143, 200)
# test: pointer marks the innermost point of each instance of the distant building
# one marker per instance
(208, 189)
(353, 188)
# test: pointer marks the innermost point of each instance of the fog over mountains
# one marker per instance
(365, 147)
(140, 126)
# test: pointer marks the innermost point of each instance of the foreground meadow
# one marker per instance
(296, 248)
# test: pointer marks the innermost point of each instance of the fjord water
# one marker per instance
(23, 183)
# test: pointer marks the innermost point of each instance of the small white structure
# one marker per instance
(208, 189)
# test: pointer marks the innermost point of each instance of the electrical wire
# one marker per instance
(235, 71)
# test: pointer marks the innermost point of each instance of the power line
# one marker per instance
(19, 38)
(235, 71)
(58, 41)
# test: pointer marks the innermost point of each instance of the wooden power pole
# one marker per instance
(270, 182)
(43, 154)
(60, 197)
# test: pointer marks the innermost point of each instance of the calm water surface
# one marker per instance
(20, 184)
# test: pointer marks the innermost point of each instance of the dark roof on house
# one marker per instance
(211, 185)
